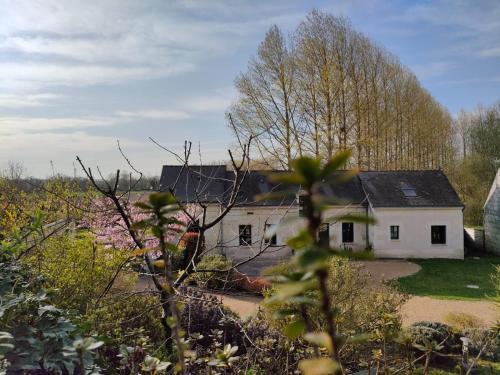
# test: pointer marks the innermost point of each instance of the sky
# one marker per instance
(78, 76)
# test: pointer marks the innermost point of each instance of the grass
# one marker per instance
(448, 278)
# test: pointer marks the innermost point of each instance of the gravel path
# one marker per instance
(416, 309)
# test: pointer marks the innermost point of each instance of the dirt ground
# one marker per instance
(416, 309)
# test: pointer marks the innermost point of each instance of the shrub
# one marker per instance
(213, 280)
(423, 332)
(363, 307)
(462, 321)
(78, 268)
(126, 319)
(260, 347)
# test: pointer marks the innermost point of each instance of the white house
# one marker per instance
(418, 213)
(492, 217)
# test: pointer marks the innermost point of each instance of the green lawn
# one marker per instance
(448, 279)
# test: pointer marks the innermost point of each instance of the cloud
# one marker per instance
(490, 52)
(155, 114)
(27, 100)
(37, 150)
(218, 101)
(94, 42)
(21, 125)
(43, 74)
(432, 69)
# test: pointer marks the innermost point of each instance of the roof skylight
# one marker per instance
(409, 192)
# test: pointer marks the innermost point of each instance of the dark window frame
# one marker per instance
(273, 240)
(245, 234)
(347, 232)
(438, 234)
(394, 232)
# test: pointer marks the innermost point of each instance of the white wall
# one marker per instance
(415, 233)
(257, 217)
(492, 217)
(226, 235)
(336, 228)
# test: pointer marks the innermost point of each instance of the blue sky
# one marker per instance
(75, 76)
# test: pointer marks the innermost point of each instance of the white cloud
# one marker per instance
(37, 150)
(490, 52)
(218, 101)
(155, 114)
(101, 42)
(20, 125)
(430, 70)
(27, 100)
(42, 74)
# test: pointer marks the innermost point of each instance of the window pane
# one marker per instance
(409, 192)
(270, 240)
(438, 234)
(245, 235)
(347, 232)
(394, 232)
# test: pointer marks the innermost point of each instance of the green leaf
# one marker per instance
(157, 232)
(143, 206)
(276, 195)
(318, 366)
(313, 258)
(291, 178)
(294, 329)
(335, 163)
(308, 168)
(301, 240)
(358, 339)
(283, 313)
(291, 289)
(158, 200)
(321, 339)
(140, 225)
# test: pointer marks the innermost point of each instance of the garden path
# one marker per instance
(415, 309)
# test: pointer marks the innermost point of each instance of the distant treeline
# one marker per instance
(126, 182)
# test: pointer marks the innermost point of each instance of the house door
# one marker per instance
(347, 232)
(324, 235)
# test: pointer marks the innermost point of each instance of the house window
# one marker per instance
(438, 234)
(409, 192)
(324, 235)
(245, 235)
(347, 232)
(270, 240)
(394, 232)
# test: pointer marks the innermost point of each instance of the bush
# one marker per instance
(213, 280)
(423, 332)
(462, 321)
(260, 347)
(78, 268)
(126, 319)
(364, 308)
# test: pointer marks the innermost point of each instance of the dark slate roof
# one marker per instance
(212, 184)
(205, 183)
(256, 183)
(384, 189)
(346, 192)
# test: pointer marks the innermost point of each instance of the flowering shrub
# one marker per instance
(110, 229)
